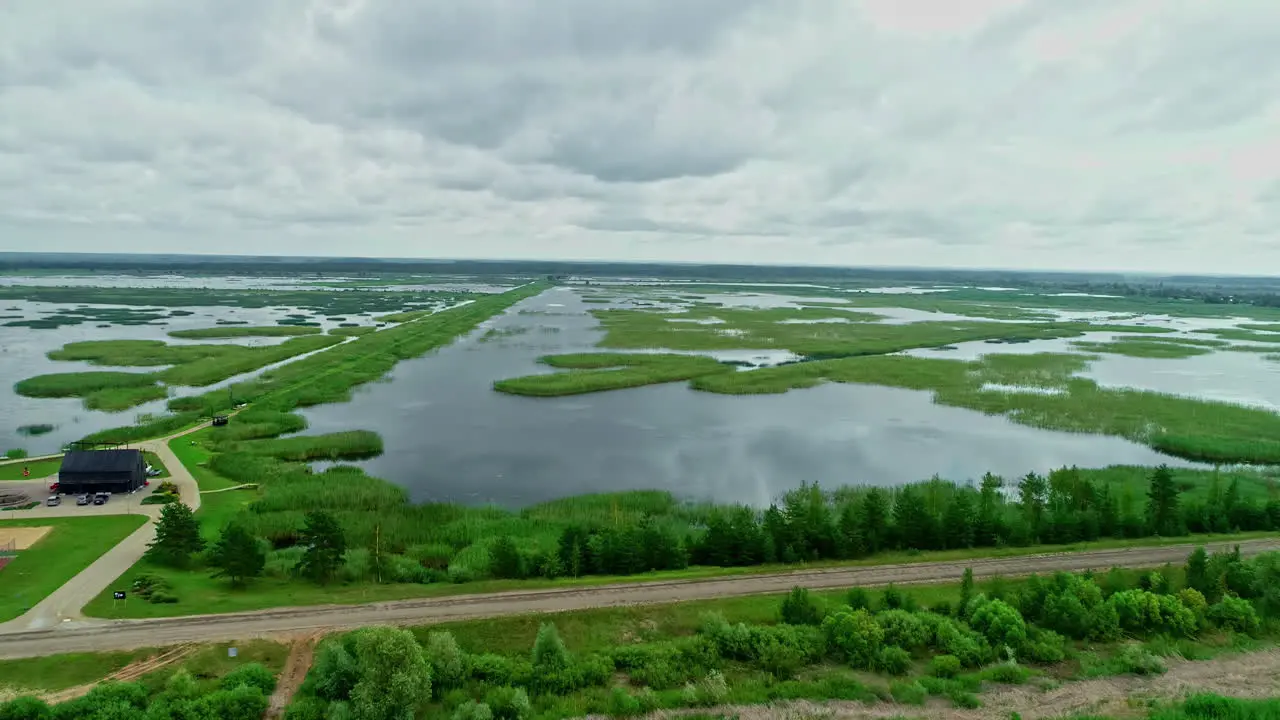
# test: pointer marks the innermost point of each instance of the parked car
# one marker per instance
(152, 471)
(101, 498)
(82, 499)
(54, 501)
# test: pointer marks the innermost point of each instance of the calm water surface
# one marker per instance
(450, 437)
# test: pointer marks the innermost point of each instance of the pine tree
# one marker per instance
(853, 544)
(325, 547)
(504, 559)
(875, 520)
(1032, 496)
(1162, 503)
(989, 528)
(1197, 571)
(966, 591)
(911, 519)
(237, 555)
(959, 521)
(177, 536)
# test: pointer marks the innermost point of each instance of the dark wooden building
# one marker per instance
(94, 471)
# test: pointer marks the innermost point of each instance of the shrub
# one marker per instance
(894, 660)
(903, 629)
(336, 671)
(800, 608)
(25, 708)
(1045, 646)
(305, 708)
(1002, 625)
(912, 693)
(965, 700)
(858, 599)
(1233, 613)
(944, 666)
(1139, 661)
(508, 703)
(969, 647)
(1006, 672)
(472, 710)
(623, 704)
(1194, 600)
(498, 670)
(254, 675)
(894, 599)
(549, 653)
(854, 635)
(713, 689)
(448, 664)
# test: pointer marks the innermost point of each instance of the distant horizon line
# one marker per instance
(215, 257)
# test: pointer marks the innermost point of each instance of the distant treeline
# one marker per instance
(810, 524)
(268, 265)
(1260, 292)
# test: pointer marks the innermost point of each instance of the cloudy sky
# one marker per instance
(1090, 134)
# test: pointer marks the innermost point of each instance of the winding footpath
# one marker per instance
(62, 607)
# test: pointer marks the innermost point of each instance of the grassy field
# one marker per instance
(243, 331)
(70, 547)
(208, 663)
(39, 469)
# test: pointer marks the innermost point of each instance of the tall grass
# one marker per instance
(121, 399)
(244, 331)
(209, 370)
(79, 384)
(596, 372)
(1145, 348)
(138, 353)
(349, 445)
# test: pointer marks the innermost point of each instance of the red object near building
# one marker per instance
(53, 487)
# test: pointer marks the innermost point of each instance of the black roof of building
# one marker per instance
(100, 460)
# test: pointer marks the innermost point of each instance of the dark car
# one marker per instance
(82, 499)
(101, 499)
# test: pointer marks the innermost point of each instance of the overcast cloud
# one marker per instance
(1090, 134)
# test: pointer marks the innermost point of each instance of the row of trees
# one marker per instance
(809, 524)
(237, 554)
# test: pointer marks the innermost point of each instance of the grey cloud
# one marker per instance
(841, 131)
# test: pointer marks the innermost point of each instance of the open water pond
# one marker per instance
(450, 437)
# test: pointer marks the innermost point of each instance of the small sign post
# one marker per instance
(116, 597)
(232, 652)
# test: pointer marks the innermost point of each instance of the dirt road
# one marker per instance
(126, 634)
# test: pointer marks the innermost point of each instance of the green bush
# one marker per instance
(447, 661)
(1007, 673)
(508, 703)
(252, 674)
(1138, 660)
(472, 710)
(858, 599)
(944, 666)
(800, 608)
(912, 693)
(622, 704)
(893, 660)
(903, 629)
(854, 635)
(305, 708)
(1233, 613)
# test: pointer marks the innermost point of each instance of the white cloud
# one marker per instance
(1134, 134)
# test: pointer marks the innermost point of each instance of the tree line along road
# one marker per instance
(94, 636)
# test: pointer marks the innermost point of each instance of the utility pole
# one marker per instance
(377, 551)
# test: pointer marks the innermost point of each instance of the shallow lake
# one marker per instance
(450, 437)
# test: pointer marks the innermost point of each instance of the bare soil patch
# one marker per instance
(1246, 675)
(22, 537)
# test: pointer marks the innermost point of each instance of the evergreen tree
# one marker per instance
(1197, 572)
(1162, 503)
(989, 528)
(325, 547)
(237, 555)
(1032, 497)
(852, 542)
(966, 591)
(875, 520)
(504, 559)
(958, 524)
(177, 536)
(911, 519)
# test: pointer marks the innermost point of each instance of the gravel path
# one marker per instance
(88, 636)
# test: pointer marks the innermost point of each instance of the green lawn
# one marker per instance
(45, 468)
(70, 547)
(58, 672)
(39, 469)
(198, 593)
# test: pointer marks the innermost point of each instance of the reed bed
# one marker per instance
(596, 372)
(236, 331)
